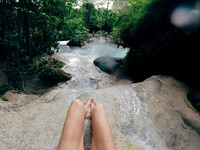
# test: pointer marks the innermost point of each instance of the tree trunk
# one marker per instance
(2, 28)
(87, 16)
(2, 25)
(27, 34)
(18, 50)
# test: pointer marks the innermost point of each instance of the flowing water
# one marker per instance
(135, 111)
(98, 46)
(80, 64)
(146, 115)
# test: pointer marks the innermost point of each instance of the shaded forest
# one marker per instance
(163, 40)
(29, 28)
(30, 31)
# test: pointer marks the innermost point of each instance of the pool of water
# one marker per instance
(98, 46)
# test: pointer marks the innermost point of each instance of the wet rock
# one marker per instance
(108, 64)
(149, 115)
(53, 76)
(152, 112)
(75, 43)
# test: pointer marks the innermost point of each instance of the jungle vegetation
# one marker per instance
(30, 29)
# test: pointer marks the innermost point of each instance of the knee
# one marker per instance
(77, 103)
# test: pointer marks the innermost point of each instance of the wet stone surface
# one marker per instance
(150, 115)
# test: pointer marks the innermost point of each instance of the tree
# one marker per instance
(129, 17)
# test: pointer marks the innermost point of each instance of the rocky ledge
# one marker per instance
(149, 115)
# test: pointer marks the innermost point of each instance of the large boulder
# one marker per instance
(75, 43)
(55, 75)
(153, 112)
(108, 64)
(149, 115)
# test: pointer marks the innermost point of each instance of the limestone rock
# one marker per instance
(151, 115)
(54, 75)
(150, 112)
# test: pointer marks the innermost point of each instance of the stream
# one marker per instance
(151, 115)
(80, 64)
(133, 112)
(97, 47)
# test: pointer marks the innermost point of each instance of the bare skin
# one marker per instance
(72, 134)
(102, 135)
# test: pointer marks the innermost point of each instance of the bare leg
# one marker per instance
(102, 135)
(72, 134)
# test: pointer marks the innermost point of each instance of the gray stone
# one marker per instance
(150, 115)
(107, 64)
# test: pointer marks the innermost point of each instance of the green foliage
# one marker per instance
(31, 28)
(121, 6)
(48, 70)
(44, 63)
(4, 88)
(4, 98)
(98, 18)
(194, 98)
(129, 19)
(75, 30)
(104, 19)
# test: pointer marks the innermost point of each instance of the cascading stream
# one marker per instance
(150, 115)
(80, 65)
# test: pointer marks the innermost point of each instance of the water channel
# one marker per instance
(143, 117)
(80, 65)
(98, 46)
(147, 115)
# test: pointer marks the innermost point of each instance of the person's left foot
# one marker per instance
(87, 105)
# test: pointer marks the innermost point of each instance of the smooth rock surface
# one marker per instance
(107, 64)
(150, 115)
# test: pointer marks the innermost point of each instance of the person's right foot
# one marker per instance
(92, 104)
